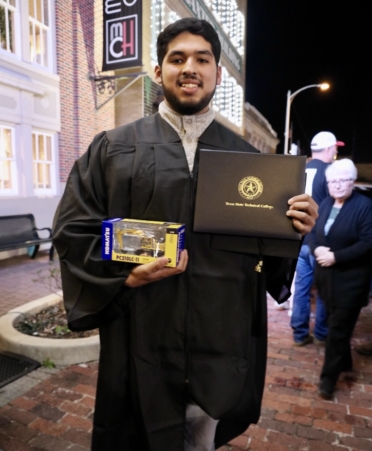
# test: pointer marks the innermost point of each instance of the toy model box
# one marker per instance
(138, 241)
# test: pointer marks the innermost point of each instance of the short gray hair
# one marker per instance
(344, 165)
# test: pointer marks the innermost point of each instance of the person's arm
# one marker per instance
(93, 289)
(364, 244)
(323, 254)
(97, 291)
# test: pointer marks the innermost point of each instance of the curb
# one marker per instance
(61, 351)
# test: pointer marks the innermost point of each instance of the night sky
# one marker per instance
(295, 43)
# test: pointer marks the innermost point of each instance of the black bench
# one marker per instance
(19, 231)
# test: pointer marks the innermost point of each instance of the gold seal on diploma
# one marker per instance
(250, 187)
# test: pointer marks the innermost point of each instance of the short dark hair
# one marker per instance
(188, 25)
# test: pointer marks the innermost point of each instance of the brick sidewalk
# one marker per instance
(17, 275)
(54, 411)
(55, 415)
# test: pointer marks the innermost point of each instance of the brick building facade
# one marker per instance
(79, 54)
(258, 131)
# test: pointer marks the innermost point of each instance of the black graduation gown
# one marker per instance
(200, 335)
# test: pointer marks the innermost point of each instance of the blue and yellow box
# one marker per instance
(139, 241)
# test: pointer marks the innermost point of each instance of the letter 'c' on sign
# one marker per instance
(112, 51)
(127, 3)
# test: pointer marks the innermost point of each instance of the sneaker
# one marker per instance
(365, 349)
(283, 306)
(309, 339)
(318, 342)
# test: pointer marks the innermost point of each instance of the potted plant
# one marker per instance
(39, 330)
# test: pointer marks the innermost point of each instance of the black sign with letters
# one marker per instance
(122, 34)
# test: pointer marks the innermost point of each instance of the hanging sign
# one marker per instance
(122, 34)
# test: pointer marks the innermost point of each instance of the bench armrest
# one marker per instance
(46, 228)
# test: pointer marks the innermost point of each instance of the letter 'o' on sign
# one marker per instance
(128, 3)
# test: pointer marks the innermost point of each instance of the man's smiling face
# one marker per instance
(189, 74)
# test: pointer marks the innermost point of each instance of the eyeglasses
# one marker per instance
(341, 182)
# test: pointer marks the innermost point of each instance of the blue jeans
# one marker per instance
(300, 318)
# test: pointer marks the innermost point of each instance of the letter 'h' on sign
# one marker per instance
(130, 43)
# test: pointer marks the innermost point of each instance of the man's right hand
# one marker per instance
(154, 271)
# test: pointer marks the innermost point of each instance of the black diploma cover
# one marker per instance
(241, 194)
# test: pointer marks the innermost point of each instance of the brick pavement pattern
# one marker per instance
(17, 275)
(56, 413)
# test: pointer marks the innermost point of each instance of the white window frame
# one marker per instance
(13, 190)
(33, 22)
(15, 35)
(44, 191)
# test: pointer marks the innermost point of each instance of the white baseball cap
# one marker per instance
(324, 139)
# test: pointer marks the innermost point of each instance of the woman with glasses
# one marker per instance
(342, 245)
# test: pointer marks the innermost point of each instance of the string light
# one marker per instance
(228, 100)
(157, 15)
(231, 19)
(172, 17)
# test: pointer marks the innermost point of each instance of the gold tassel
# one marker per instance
(258, 267)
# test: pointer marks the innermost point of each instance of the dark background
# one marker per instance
(295, 43)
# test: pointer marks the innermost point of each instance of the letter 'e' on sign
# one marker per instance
(122, 33)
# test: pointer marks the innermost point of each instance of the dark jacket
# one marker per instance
(346, 284)
(200, 335)
(316, 184)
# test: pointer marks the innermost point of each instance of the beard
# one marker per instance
(187, 107)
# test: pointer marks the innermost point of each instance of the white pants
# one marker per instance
(200, 429)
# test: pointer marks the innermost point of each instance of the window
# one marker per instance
(7, 25)
(39, 31)
(8, 175)
(43, 163)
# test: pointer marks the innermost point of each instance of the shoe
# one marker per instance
(326, 390)
(283, 306)
(365, 349)
(318, 342)
(309, 339)
(325, 394)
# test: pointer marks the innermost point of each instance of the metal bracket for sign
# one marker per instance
(107, 83)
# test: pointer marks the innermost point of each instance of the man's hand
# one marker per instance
(303, 210)
(154, 271)
(324, 256)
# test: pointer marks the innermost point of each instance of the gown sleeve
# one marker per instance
(93, 289)
(279, 276)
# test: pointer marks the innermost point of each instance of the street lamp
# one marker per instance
(290, 97)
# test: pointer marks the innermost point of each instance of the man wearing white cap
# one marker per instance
(323, 151)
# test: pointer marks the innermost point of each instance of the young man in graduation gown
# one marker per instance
(183, 350)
